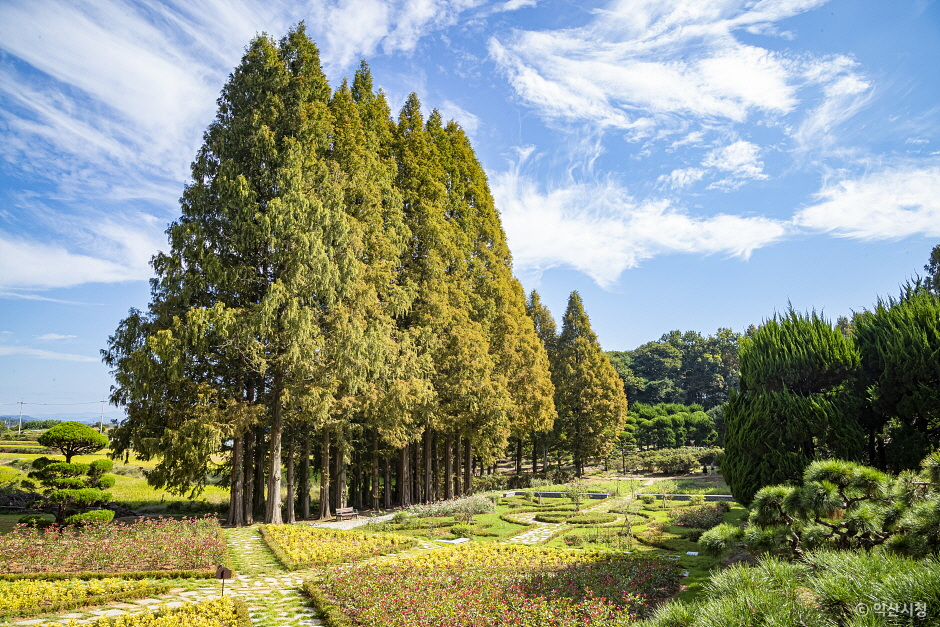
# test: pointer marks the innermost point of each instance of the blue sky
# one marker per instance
(683, 164)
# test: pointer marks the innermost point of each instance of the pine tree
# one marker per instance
(589, 395)
(795, 403)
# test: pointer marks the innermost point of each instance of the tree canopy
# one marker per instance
(73, 438)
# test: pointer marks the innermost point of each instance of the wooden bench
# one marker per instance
(346, 512)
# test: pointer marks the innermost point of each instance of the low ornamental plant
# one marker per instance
(303, 546)
(479, 584)
(31, 597)
(700, 517)
(153, 544)
(222, 612)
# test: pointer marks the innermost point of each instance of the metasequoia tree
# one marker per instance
(589, 396)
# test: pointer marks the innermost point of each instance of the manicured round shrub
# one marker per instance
(592, 518)
(647, 498)
(73, 438)
(90, 517)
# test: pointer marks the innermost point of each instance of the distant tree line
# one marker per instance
(685, 368)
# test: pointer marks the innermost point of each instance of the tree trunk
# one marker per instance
(305, 476)
(375, 472)
(248, 462)
(342, 446)
(468, 467)
(448, 466)
(261, 453)
(404, 477)
(357, 480)
(291, 509)
(458, 460)
(272, 512)
(387, 488)
(535, 455)
(519, 456)
(436, 492)
(236, 507)
(325, 475)
(427, 466)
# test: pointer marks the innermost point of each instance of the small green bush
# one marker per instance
(592, 518)
(574, 539)
(36, 520)
(697, 499)
(461, 530)
(90, 517)
(648, 499)
(692, 535)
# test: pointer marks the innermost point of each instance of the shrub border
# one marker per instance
(332, 614)
(101, 599)
(140, 574)
(291, 565)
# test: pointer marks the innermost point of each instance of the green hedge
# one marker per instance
(331, 613)
(553, 517)
(592, 518)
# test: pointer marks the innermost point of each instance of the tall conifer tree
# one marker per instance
(592, 408)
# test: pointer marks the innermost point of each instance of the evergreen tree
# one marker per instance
(899, 343)
(589, 395)
(258, 259)
(794, 406)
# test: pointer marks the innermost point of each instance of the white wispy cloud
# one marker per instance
(598, 228)
(683, 177)
(889, 203)
(740, 160)
(54, 337)
(652, 67)
(38, 353)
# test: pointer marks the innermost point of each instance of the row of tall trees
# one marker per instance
(338, 293)
(864, 391)
(671, 425)
(685, 368)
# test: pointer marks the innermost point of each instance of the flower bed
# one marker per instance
(31, 597)
(222, 612)
(157, 544)
(303, 546)
(496, 585)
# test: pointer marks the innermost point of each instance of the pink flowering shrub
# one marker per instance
(150, 544)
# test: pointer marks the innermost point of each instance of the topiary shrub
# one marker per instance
(73, 438)
(71, 488)
(90, 517)
(648, 499)
(701, 517)
(553, 517)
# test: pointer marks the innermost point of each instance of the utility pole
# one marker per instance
(101, 422)
(19, 429)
